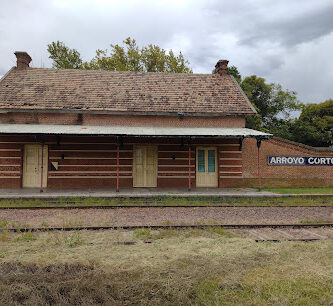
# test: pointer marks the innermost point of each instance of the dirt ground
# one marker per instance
(165, 216)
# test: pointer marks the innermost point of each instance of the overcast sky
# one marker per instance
(288, 42)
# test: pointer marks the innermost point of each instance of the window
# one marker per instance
(211, 160)
(201, 160)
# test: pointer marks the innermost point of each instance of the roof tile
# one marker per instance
(59, 89)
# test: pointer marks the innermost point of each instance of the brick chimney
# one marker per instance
(221, 67)
(23, 60)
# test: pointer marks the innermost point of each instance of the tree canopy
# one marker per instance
(275, 107)
(315, 125)
(270, 100)
(125, 57)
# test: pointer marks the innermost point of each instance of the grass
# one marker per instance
(301, 190)
(159, 201)
(315, 221)
(190, 267)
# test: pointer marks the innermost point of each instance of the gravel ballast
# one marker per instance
(165, 216)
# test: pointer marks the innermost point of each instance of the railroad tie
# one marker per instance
(315, 234)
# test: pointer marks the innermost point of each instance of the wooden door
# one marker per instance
(32, 166)
(145, 166)
(206, 168)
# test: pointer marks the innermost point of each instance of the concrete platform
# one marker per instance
(145, 193)
(132, 193)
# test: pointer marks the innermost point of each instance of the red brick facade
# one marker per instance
(90, 162)
(133, 120)
(284, 176)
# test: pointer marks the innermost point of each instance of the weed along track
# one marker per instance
(256, 232)
(107, 203)
(162, 216)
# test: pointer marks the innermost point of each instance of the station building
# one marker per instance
(64, 128)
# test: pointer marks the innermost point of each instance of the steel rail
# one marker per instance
(159, 206)
(296, 239)
(180, 226)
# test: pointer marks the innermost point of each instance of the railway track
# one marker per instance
(181, 226)
(80, 205)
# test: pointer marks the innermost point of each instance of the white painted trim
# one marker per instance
(179, 166)
(72, 157)
(95, 151)
(83, 165)
(231, 152)
(169, 158)
(176, 171)
(6, 150)
(76, 172)
(173, 176)
(83, 176)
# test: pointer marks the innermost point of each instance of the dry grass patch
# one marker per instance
(180, 267)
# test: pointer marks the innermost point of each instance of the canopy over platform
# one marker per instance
(135, 131)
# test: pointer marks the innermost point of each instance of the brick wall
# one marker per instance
(129, 120)
(284, 176)
(90, 162)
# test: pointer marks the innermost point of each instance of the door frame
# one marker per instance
(207, 147)
(45, 164)
(144, 161)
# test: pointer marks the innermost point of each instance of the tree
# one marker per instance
(126, 57)
(314, 126)
(63, 57)
(273, 104)
(233, 70)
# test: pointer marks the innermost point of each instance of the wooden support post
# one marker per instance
(259, 173)
(42, 169)
(189, 166)
(117, 188)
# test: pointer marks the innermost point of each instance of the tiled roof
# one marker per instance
(116, 91)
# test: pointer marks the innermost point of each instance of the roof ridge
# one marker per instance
(127, 71)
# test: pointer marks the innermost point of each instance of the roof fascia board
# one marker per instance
(265, 137)
(71, 111)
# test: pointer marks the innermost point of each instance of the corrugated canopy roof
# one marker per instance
(156, 131)
(122, 91)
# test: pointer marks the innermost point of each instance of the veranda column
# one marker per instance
(117, 187)
(189, 166)
(259, 174)
(42, 169)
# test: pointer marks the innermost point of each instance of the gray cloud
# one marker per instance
(287, 42)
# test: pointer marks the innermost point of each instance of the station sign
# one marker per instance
(300, 161)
